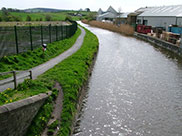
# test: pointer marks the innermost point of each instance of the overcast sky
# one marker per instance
(94, 5)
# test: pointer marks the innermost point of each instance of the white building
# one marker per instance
(109, 15)
(161, 16)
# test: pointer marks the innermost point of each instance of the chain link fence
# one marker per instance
(18, 39)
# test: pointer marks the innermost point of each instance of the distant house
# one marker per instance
(109, 15)
(161, 16)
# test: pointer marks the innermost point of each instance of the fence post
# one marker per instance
(15, 82)
(41, 35)
(56, 33)
(50, 33)
(30, 28)
(16, 40)
(66, 31)
(30, 74)
(62, 32)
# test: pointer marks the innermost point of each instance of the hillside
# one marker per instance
(33, 10)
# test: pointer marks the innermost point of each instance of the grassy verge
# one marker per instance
(123, 29)
(71, 73)
(36, 57)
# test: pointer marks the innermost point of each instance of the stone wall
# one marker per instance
(159, 42)
(17, 116)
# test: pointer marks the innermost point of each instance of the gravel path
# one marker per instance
(38, 70)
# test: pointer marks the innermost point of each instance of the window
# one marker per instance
(145, 22)
(138, 21)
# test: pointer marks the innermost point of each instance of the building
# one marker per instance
(122, 19)
(161, 16)
(109, 15)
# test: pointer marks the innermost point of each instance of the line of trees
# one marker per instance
(6, 16)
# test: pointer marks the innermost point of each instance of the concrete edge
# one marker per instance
(24, 102)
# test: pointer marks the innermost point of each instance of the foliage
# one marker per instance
(59, 16)
(33, 58)
(122, 29)
(91, 16)
(41, 119)
(48, 18)
(28, 18)
(71, 73)
(68, 17)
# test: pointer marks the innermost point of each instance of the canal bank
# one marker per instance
(134, 90)
(159, 42)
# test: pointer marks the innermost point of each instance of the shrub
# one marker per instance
(48, 18)
(28, 18)
(67, 18)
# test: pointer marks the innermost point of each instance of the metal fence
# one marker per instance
(18, 39)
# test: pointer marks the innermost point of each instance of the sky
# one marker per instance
(94, 5)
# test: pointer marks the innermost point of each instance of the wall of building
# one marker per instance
(16, 117)
(160, 21)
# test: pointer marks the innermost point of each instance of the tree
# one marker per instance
(119, 10)
(28, 18)
(48, 18)
(0, 19)
(91, 16)
(67, 18)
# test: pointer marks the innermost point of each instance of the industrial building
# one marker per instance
(161, 16)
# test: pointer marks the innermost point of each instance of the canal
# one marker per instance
(135, 90)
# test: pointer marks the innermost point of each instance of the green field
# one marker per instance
(56, 16)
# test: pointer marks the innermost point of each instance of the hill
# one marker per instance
(34, 10)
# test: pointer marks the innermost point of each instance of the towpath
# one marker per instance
(38, 70)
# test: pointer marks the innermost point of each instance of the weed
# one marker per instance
(123, 28)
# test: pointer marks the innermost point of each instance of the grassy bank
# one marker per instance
(36, 57)
(71, 73)
(123, 29)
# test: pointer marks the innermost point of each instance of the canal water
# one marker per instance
(135, 90)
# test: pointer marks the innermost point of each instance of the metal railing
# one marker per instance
(15, 78)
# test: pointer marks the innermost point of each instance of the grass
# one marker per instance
(71, 73)
(41, 119)
(36, 57)
(123, 29)
(55, 16)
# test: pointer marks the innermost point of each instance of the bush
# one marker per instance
(91, 16)
(48, 18)
(28, 18)
(67, 18)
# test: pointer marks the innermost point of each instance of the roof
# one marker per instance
(107, 15)
(111, 9)
(143, 9)
(100, 11)
(175, 11)
(123, 15)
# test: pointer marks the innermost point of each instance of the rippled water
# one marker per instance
(135, 90)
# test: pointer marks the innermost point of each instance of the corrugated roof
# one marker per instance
(175, 11)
